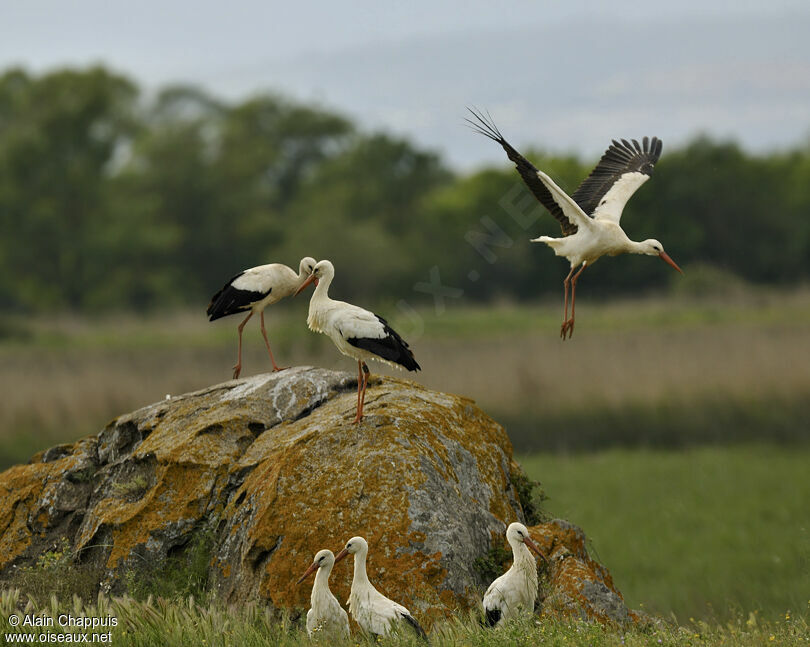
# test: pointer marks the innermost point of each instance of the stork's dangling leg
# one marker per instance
(568, 326)
(362, 398)
(267, 343)
(238, 367)
(566, 283)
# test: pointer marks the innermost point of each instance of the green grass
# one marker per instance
(695, 532)
(183, 623)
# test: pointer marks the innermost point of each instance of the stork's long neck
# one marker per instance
(321, 292)
(318, 305)
(360, 578)
(521, 556)
(321, 586)
(633, 247)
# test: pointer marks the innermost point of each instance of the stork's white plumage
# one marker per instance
(356, 332)
(515, 591)
(326, 618)
(254, 290)
(374, 612)
(590, 220)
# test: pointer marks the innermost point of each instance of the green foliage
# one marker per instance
(531, 496)
(494, 563)
(110, 202)
(56, 575)
(184, 574)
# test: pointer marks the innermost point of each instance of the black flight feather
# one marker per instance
(620, 158)
(391, 347)
(230, 300)
(485, 126)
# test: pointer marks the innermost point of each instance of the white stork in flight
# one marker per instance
(515, 591)
(254, 290)
(326, 617)
(374, 612)
(356, 332)
(590, 218)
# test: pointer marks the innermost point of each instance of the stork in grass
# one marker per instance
(590, 219)
(253, 290)
(375, 613)
(515, 591)
(356, 332)
(326, 618)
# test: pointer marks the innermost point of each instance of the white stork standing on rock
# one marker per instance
(326, 617)
(374, 612)
(356, 332)
(254, 290)
(516, 590)
(590, 218)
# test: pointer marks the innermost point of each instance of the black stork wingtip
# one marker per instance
(484, 125)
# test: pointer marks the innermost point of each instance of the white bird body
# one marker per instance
(356, 332)
(253, 290)
(375, 613)
(326, 618)
(590, 220)
(515, 591)
(341, 321)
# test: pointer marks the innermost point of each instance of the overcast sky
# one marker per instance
(564, 76)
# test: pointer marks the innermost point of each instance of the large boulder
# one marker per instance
(272, 469)
(273, 466)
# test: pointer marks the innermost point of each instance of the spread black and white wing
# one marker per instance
(624, 167)
(485, 126)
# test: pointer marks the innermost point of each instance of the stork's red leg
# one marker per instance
(566, 283)
(359, 387)
(267, 343)
(362, 393)
(238, 368)
(570, 323)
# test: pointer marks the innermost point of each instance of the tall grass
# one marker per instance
(181, 623)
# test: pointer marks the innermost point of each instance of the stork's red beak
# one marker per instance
(528, 541)
(665, 257)
(310, 279)
(312, 568)
(341, 555)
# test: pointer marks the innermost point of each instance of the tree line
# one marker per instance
(110, 199)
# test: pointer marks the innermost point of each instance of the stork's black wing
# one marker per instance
(620, 158)
(485, 126)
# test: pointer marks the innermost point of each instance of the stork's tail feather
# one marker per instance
(491, 617)
(416, 627)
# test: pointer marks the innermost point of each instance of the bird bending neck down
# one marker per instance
(253, 290)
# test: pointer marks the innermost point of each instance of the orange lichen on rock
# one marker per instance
(578, 585)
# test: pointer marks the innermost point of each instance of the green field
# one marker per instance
(696, 533)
